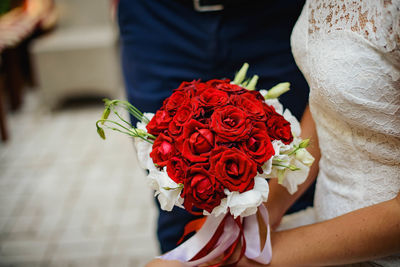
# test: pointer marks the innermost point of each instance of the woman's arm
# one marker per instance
(279, 199)
(361, 235)
(365, 234)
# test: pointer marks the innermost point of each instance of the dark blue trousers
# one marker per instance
(165, 42)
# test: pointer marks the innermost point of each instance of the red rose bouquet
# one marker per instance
(211, 147)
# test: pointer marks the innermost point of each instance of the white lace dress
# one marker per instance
(349, 52)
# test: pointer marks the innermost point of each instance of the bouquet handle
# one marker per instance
(222, 232)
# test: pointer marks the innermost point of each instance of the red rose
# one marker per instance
(233, 169)
(192, 88)
(176, 100)
(231, 88)
(174, 129)
(188, 87)
(230, 123)
(258, 146)
(279, 128)
(201, 87)
(213, 97)
(199, 112)
(182, 115)
(250, 104)
(176, 169)
(255, 94)
(214, 82)
(269, 110)
(201, 189)
(196, 142)
(163, 150)
(159, 122)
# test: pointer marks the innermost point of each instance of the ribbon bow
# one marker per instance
(221, 235)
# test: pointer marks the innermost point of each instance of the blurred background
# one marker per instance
(67, 198)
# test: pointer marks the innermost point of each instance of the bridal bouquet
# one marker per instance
(211, 148)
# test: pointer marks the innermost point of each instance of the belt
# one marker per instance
(211, 5)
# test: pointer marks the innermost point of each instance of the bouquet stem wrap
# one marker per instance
(221, 235)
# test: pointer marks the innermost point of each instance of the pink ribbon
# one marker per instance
(231, 231)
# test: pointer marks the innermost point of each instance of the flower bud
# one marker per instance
(241, 75)
(304, 156)
(252, 84)
(105, 115)
(304, 143)
(278, 90)
(293, 168)
(100, 131)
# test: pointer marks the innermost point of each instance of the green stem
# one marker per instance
(129, 107)
(294, 151)
(122, 119)
(128, 131)
(290, 167)
(180, 186)
(135, 112)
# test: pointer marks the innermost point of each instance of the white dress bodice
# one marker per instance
(349, 53)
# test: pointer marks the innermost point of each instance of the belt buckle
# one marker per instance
(206, 8)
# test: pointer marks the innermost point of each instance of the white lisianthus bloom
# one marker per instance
(283, 159)
(276, 104)
(167, 190)
(246, 203)
(304, 156)
(179, 203)
(294, 178)
(280, 147)
(263, 92)
(142, 125)
(294, 123)
(267, 168)
(143, 150)
(222, 208)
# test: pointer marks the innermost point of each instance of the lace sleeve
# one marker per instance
(361, 17)
(377, 21)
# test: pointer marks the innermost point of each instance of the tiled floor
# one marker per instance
(68, 198)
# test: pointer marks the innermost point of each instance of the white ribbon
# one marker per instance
(190, 248)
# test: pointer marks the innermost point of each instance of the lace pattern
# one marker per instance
(376, 20)
(349, 52)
